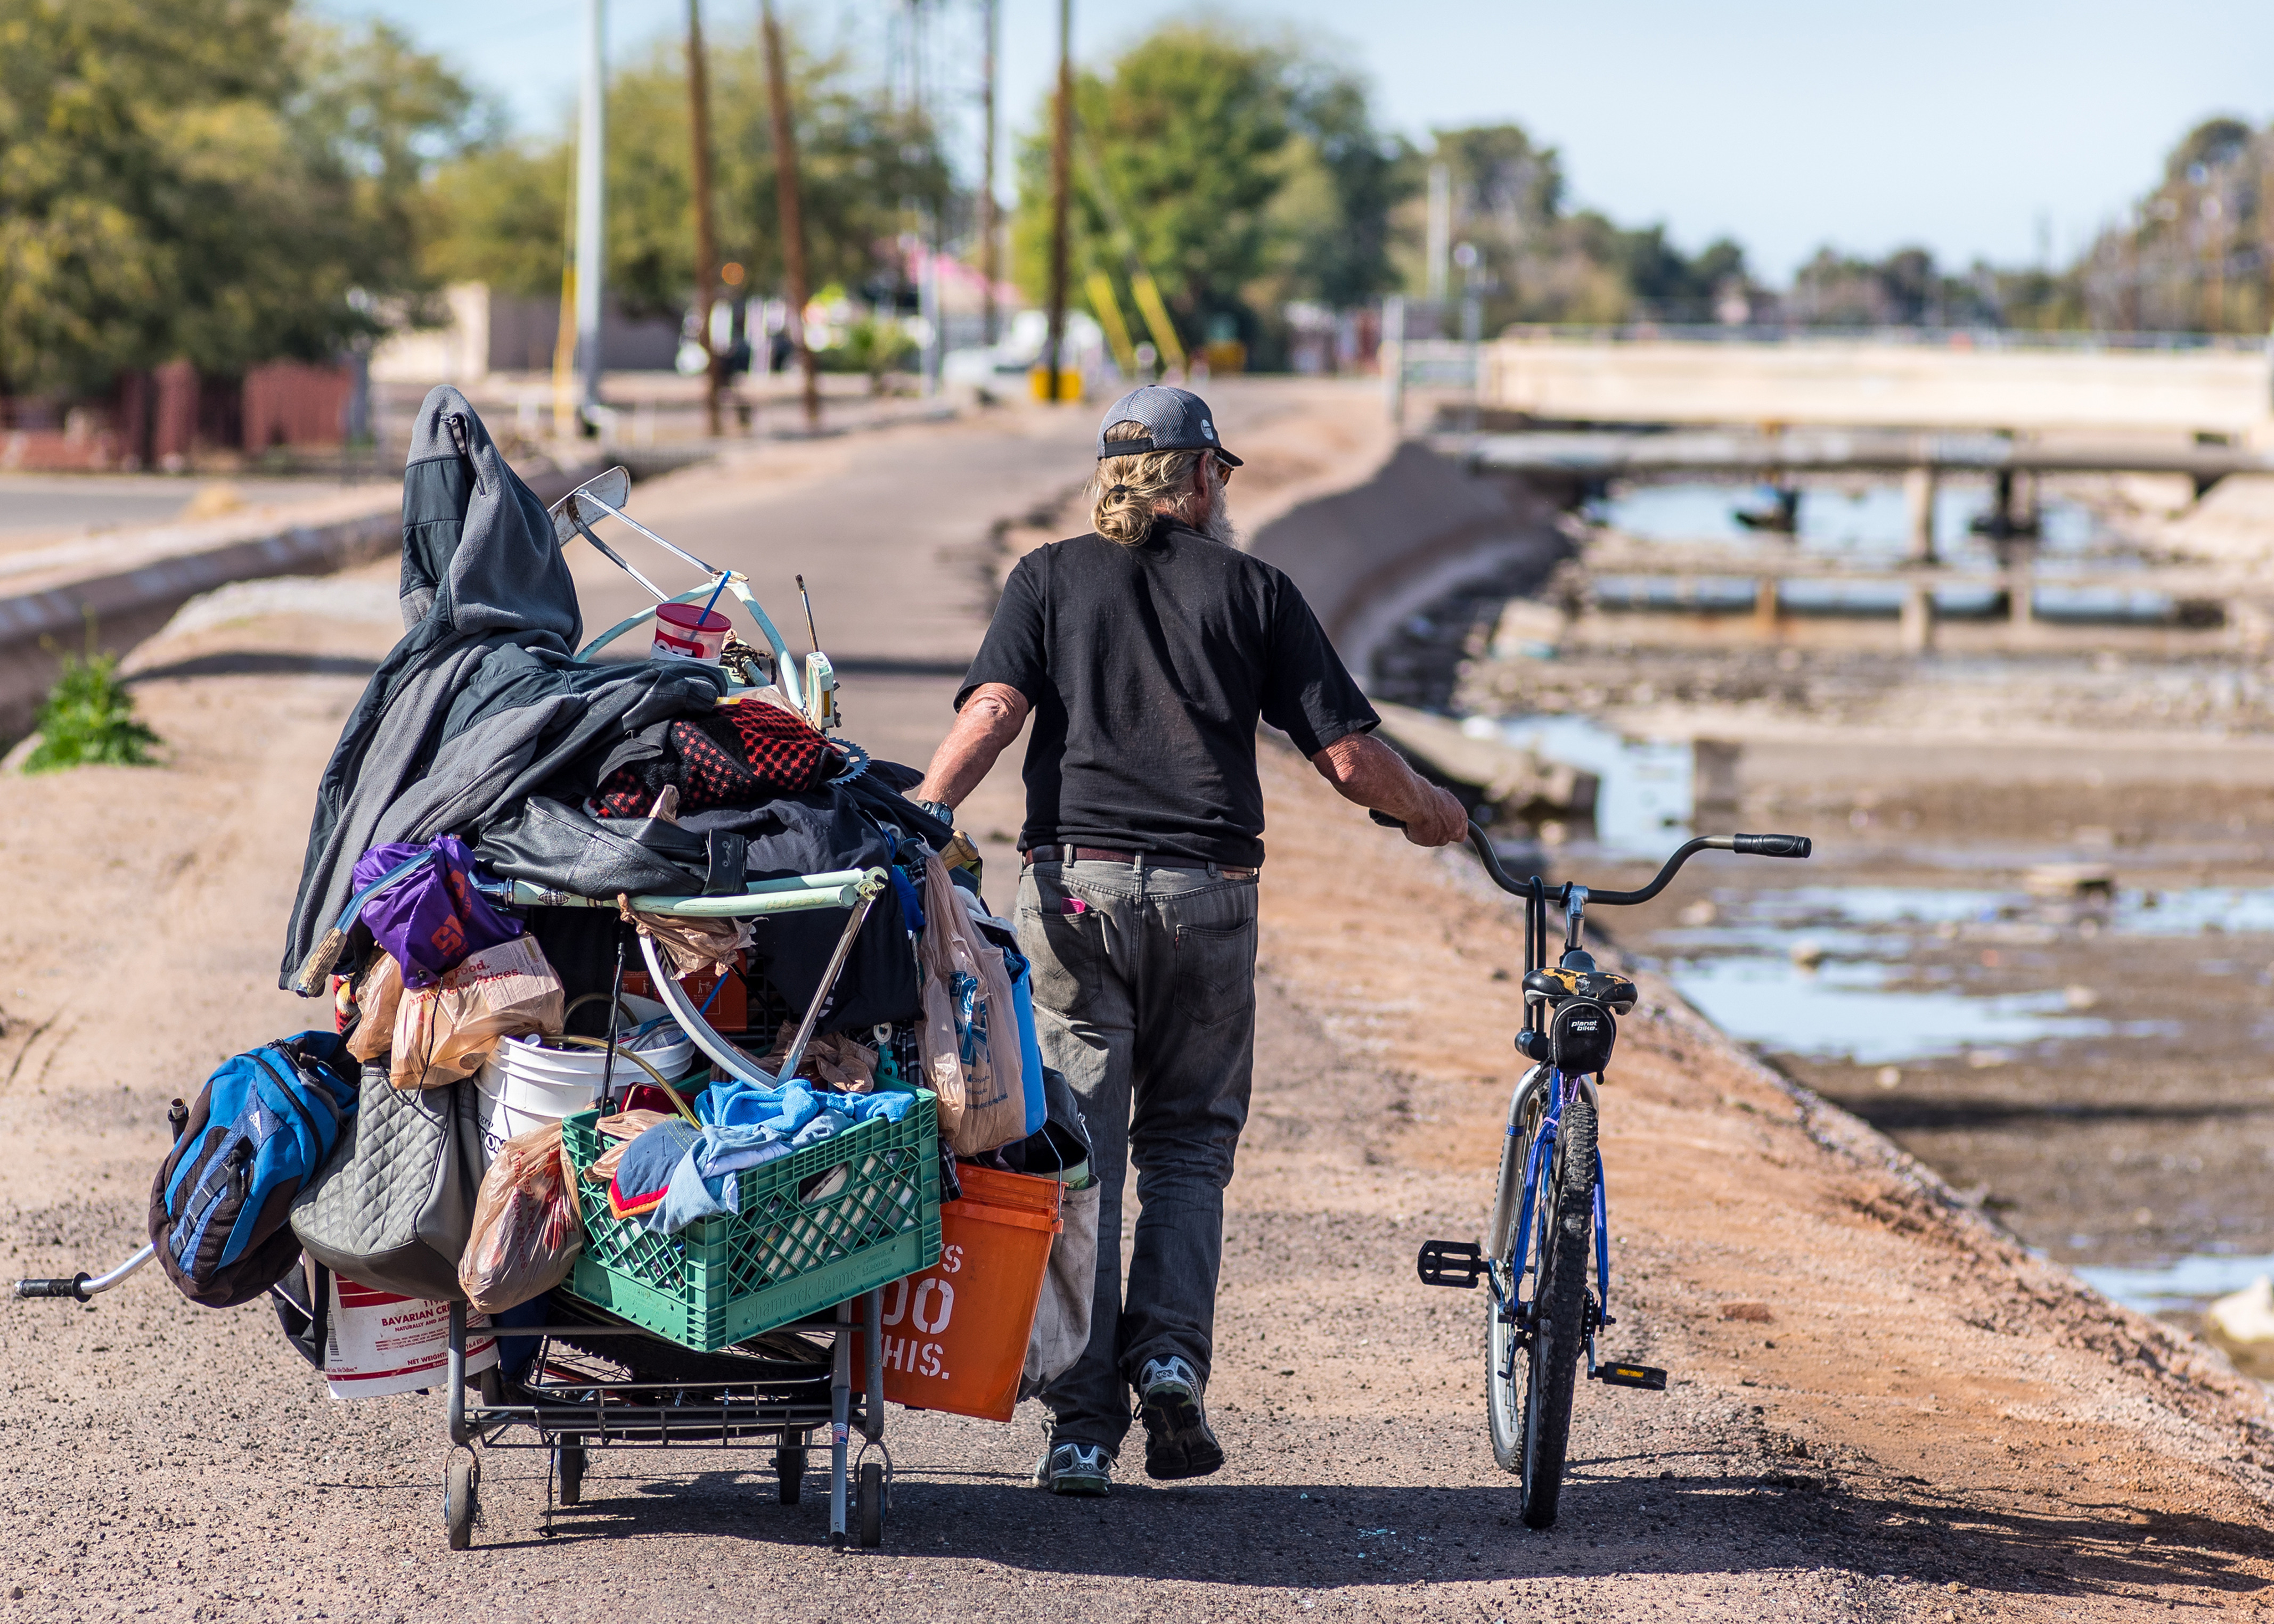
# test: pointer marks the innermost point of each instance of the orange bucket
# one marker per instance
(955, 1336)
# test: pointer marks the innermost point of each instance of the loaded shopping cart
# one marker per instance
(742, 1330)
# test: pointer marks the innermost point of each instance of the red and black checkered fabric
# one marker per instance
(739, 755)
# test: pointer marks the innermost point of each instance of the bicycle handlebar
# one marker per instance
(1747, 845)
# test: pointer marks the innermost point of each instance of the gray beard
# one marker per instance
(1218, 526)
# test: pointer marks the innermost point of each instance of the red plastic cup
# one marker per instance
(691, 630)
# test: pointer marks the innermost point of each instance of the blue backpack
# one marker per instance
(263, 1127)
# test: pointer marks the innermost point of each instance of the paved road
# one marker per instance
(37, 507)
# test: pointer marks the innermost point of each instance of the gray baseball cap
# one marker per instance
(1173, 419)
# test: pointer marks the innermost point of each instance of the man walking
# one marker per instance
(1146, 652)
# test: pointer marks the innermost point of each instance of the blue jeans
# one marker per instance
(1144, 983)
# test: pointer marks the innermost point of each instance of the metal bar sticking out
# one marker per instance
(675, 998)
(796, 1051)
(460, 1434)
(615, 557)
(840, 1410)
(708, 569)
(872, 1350)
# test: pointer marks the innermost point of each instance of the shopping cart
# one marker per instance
(779, 1277)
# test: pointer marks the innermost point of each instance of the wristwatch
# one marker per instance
(939, 809)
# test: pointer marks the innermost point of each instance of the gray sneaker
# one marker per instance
(1177, 1441)
(1075, 1469)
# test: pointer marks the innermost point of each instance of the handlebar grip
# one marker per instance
(1771, 845)
(75, 1287)
(1386, 820)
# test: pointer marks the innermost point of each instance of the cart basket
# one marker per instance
(828, 1222)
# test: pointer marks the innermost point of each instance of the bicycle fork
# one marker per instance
(1463, 1263)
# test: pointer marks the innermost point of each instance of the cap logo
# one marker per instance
(1208, 428)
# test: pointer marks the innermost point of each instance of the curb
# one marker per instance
(37, 628)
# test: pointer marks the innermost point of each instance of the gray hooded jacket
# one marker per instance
(483, 700)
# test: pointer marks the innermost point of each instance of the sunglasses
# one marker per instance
(1224, 471)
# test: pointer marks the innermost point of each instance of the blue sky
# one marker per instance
(1981, 128)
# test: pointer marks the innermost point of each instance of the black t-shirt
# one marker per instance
(1148, 667)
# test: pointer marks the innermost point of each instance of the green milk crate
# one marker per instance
(781, 1257)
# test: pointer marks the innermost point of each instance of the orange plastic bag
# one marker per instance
(527, 1231)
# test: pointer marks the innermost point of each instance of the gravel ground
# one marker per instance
(1881, 1409)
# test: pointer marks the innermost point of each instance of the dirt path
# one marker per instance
(1925, 1408)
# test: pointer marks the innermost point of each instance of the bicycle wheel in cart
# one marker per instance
(1532, 1360)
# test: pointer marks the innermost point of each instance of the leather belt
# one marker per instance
(1097, 853)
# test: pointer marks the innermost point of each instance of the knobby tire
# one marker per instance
(1559, 1317)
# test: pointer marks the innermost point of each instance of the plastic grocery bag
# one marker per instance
(444, 1032)
(527, 1229)
(970, 1039)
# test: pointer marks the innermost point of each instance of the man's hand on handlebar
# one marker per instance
(1441, 820)
(1365, 769)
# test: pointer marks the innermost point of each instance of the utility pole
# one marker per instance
(989, 228)
(707, 228)
(792, 225)
(1440, 232)
(1061, 179)
(591, 200)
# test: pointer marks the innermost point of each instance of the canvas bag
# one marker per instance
(395, 1206)
(969, 1037)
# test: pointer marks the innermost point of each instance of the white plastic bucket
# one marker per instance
(523, 1085)
(380, 1343)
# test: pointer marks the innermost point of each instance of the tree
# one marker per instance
(2195, 254)
(1241, 171)
(504, 211)
(1540, 262)
(1180, 147)
(208, 179)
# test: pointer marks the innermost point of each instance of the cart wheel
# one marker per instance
(569, 1458)
(461, 1499)
(872, 1504)
(789, 1474)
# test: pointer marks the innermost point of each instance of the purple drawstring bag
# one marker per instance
(432, 917)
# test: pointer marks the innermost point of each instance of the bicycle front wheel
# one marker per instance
(1559, 1324)
(1508, 1365)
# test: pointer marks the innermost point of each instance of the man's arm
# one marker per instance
(1363, 769)
(984, 728)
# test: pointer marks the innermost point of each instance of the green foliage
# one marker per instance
(501, 216)
(1240, 172)
(504, 211)
(876, 346)
(88, 720)
(206, 179)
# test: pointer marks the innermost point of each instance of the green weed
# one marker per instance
(88, 719)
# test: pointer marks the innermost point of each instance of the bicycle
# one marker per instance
(1550, 1195)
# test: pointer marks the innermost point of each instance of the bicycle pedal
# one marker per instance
(1648, 1378)
(1452, 1263)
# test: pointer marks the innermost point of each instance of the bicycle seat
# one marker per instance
(1615, 991)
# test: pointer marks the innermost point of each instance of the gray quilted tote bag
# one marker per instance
(395, 1206)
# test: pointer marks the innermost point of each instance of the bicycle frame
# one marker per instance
(1573, 900)
(1560, 1091)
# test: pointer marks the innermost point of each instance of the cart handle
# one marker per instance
(82, 1285)
(842, 888)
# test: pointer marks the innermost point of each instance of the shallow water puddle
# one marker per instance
(1843, 1011)
(1835, 972)
(2186, 1284)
